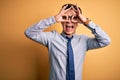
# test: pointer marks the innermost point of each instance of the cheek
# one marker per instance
(76, 24)
(63, 23)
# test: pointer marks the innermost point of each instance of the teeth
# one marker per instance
(69, 26)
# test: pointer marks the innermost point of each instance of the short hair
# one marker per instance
(74, 6)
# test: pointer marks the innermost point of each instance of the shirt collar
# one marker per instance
(64, 35)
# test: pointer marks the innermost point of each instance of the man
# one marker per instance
(67, 50)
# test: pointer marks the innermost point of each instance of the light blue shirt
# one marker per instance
(57, 46)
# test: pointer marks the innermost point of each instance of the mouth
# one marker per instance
(69, 28)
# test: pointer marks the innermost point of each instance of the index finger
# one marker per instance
(65, 9)
(78, 9)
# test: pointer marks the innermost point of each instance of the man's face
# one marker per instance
(69, 27)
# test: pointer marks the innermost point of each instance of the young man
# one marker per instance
(67, 50)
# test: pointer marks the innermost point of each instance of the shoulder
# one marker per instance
(53, 34)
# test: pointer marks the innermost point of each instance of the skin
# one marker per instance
(70, 23)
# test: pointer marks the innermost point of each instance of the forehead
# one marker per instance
(71, 12)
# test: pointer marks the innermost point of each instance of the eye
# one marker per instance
(64, 17)
(75, 17)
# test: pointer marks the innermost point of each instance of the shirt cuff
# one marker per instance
(91, 25)
(53, 19)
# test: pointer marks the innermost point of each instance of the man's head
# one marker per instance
(69, 26)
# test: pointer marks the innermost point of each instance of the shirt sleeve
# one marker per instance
(36, 31)
(101, 38)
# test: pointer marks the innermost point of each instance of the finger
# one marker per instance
(73, 13)
(64, 7)
(67, 9)
(64, 20)
(74, 9)
(74, 21)
(78, 8)
(64, 16)
(64, 10)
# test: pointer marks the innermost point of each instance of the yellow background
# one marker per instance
(23, 59)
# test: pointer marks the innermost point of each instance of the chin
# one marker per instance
(69, 33)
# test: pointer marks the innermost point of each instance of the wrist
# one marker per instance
(56, 18)
(86, 22)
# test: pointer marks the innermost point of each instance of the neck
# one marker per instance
(68, 35)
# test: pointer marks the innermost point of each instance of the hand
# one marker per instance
(60, 16)
(80, 18)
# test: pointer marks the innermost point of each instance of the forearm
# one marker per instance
(35, 29)
(101, 38)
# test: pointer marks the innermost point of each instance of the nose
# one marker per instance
(69, 19)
